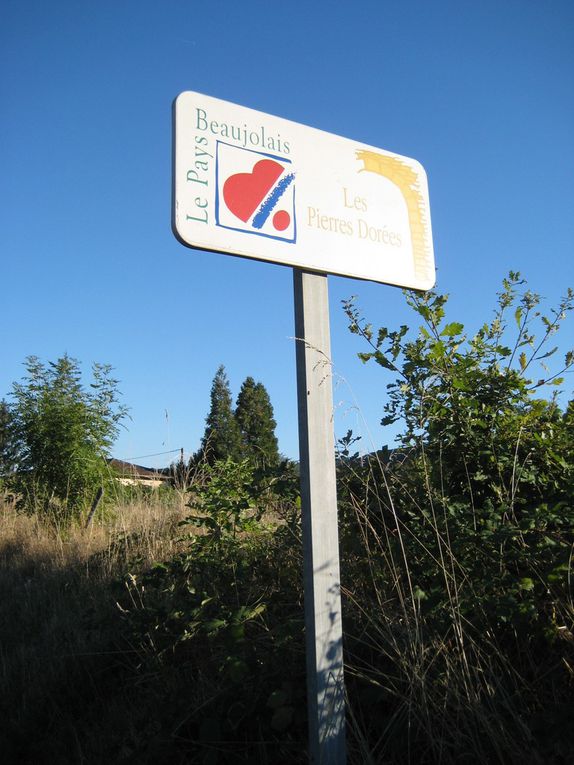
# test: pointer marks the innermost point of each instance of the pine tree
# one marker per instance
(254, 415)
(222, 437)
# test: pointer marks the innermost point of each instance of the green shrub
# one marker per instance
(462, 539)
(225, 616)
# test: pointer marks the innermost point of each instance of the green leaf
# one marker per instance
(437, 351)
(558, 574)
(460, 384)
(452, 329)
(419, 594)
(523, 361)
(546, 355)
(213, 625)
(382, 336)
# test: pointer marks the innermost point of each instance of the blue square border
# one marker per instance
(242, 230)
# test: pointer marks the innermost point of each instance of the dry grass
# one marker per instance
(147, 528)
(58, 614)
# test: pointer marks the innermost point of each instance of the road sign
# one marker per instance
(251, 184)
(257, 186)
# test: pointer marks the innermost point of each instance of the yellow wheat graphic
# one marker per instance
(407, 180)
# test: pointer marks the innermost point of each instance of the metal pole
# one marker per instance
(324, 638)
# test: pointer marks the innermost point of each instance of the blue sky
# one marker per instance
(482, 94)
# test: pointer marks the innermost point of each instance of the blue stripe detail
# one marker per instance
(271, 201)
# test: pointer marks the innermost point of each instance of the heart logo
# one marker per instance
(243, 192)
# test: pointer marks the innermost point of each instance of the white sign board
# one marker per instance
(250, 184)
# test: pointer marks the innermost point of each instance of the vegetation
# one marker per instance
(71, 689)
(254, 415)
(63, 434)
(244, 435)
(469, 532)
(222, 437)
(173, 633)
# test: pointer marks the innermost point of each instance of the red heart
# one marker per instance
(243, 192)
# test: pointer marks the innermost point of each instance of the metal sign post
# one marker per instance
(324, 636)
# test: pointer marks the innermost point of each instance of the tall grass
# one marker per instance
(448, 688)
(57, 617)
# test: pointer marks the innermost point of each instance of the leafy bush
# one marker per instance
(465, 533)
(485, 463)
(223, 502)
(226, 616)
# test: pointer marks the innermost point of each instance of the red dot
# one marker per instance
(281, 220)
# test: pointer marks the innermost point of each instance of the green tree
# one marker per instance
(8, 440)
(254, 415)
(222, 437)
(65, 434)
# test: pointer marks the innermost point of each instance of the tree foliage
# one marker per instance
(65, 433)
(246, 433)
(222, 437)
(254, 414)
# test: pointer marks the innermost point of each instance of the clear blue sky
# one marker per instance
(481, 93)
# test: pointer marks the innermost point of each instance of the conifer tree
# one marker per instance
(222, 437)
(254, 415)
